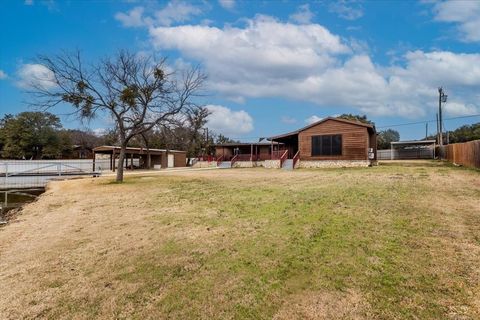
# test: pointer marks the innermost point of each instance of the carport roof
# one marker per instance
(410, 142)
(110, 149)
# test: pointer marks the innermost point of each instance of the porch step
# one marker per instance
(225, 164)
(288, 164)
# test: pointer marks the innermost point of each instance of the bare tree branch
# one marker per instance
(137, 91)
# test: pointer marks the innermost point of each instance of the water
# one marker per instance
(15, 198)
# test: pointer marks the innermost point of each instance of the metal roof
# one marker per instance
(235, 144)
(133, 150)
(414, 142)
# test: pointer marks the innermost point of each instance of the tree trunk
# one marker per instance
(121, 161)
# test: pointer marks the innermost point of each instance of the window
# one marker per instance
(328, 145)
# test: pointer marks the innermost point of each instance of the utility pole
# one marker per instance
(426, 130)
(438, 131)
(442, 97)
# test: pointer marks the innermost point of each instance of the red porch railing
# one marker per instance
(234, 159)
(277, 154)
(296, 157)
(208, 158)
(283, 158)
(219, 160)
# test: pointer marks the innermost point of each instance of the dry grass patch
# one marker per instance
(386, 242)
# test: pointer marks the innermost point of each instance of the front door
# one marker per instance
(171, 161)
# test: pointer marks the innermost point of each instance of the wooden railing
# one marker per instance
(296, 157)
(283, 158)
(234, 159)
(219, 160)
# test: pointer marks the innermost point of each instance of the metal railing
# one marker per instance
(234, 159)
(283, 158)
(219, 160)
(277, 154)
(296, 157)
(37, 173)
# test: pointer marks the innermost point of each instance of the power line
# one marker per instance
(429, 121)
(389, 126)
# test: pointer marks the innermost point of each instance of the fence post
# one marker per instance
(6, 173)
(59, 169)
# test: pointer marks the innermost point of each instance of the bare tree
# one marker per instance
(138, 92)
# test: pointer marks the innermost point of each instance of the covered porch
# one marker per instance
(289, 142)
(242, 151)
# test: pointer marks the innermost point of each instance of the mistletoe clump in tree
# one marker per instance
(138, 92)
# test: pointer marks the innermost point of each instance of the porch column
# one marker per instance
(93, 161)
(131, 161)
(271, 154)
(251, 152)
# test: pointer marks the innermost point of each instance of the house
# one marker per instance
(141, 158)
(331, 142)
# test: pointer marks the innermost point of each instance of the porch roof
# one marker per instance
(243, 144)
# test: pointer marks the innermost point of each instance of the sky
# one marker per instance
(272, 66)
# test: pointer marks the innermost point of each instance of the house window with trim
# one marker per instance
(327, 145)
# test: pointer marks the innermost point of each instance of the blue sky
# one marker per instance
(273, 66)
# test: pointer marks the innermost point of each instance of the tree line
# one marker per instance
(40, 135)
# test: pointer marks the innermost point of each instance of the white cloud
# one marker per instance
(306, 62)
(3, 75)
(313, 119)
(35, 75)
(460, 109)
(227, 4)
(288, 120)
(28, 2)
(464, 13)
(226, 121)
(100, 131)
(175, 11)
(133, 18)
(348, 10)
(303, 15)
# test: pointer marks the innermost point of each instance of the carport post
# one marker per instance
(131, 161)
(93, 161)
(113, 154)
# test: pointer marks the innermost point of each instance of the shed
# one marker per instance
(142, 158)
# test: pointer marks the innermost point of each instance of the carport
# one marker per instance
(141, 158)
(416, 149)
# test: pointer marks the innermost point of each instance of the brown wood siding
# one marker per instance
(355, 140)
(180, 159)
(223, 151)
(164, 160)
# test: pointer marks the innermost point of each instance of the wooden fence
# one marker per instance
(466, 154)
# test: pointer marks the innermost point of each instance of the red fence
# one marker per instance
(466, 154)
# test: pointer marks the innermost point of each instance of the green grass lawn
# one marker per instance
(388, 242)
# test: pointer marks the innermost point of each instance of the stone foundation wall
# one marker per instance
(271, 164)
(332, 163)
(205, 164)
(243, 164)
